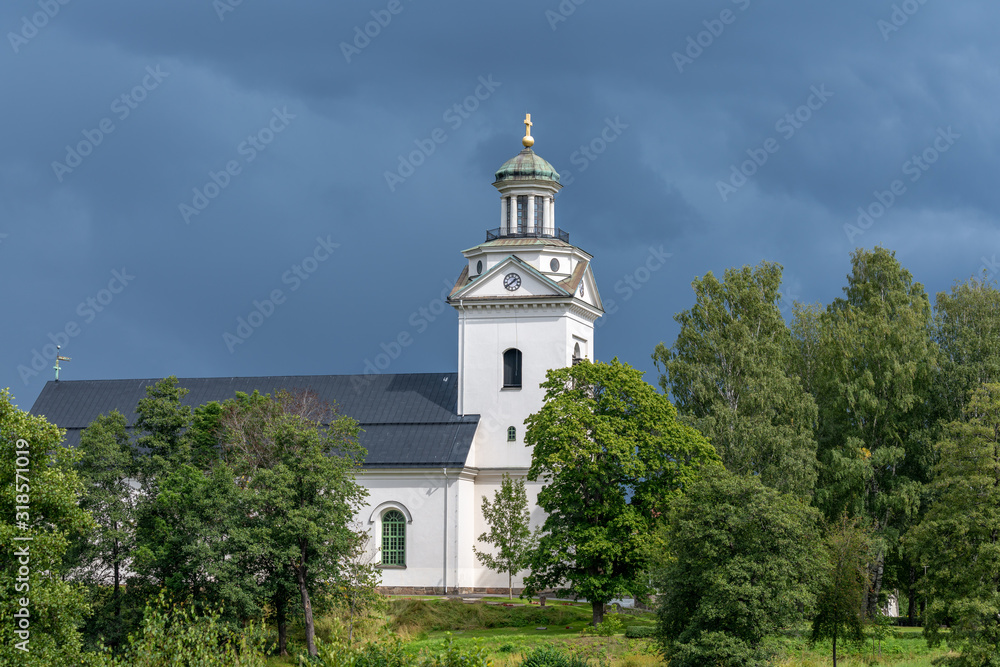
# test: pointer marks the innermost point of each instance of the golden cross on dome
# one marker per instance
(527, 141)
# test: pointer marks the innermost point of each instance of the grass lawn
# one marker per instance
(509, 628)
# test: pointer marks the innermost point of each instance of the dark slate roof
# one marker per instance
(408, 420)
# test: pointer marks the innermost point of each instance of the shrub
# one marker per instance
(174, 635)
(550, 657)
(611, 625)
(388, 653)
(640, 631)
(456, 657)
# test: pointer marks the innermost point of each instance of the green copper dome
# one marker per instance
(526, 166)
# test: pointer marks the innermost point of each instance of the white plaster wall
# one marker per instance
(422, 494)
(440, 535)
(546, 337)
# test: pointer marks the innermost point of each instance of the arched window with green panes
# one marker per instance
(393, 538)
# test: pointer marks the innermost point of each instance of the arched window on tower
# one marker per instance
(576, 354)
(394, 538)
(511, 434)
(512, 368)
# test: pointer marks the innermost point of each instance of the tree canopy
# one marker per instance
(874, 383)
(611, 454)
(743, 561)
(40, 516)
(958, 540)
(728, 372)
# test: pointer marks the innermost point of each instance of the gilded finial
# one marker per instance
(527, 141)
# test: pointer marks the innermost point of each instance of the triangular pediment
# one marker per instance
(510, 278)
(583, 278)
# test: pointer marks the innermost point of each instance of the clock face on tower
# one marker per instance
(512, 281)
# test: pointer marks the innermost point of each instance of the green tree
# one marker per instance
(967, 329)
(195, 532)
(729, 374)
(39, 517)
(296, 458)
(197, 538)
(806, 355)
(958, 540)
(842, 596)
(160, 427)
(107, 467)
(508, 517)
(744, 561)
(611, 453)
(874, 393)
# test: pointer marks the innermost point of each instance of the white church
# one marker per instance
(437, 442)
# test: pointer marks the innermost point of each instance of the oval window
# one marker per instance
(554, 264)
(479, 267)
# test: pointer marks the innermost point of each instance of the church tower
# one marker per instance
(526, 303)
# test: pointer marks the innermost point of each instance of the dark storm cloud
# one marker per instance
(644, 108)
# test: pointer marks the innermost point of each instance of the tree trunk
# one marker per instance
(911, 607)
(300, 574)
(510, 586)
(598, 608)
(280, 612)
(834, 649)
(350, 626)
(118, 579)
(871, 597)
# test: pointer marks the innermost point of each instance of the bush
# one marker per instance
(550, 657)
(611, 625)
(719, 648)
(640, 631)
(389, 653)
(173, 635)
(456, 657)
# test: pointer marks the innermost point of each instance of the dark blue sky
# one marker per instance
(163, 168)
